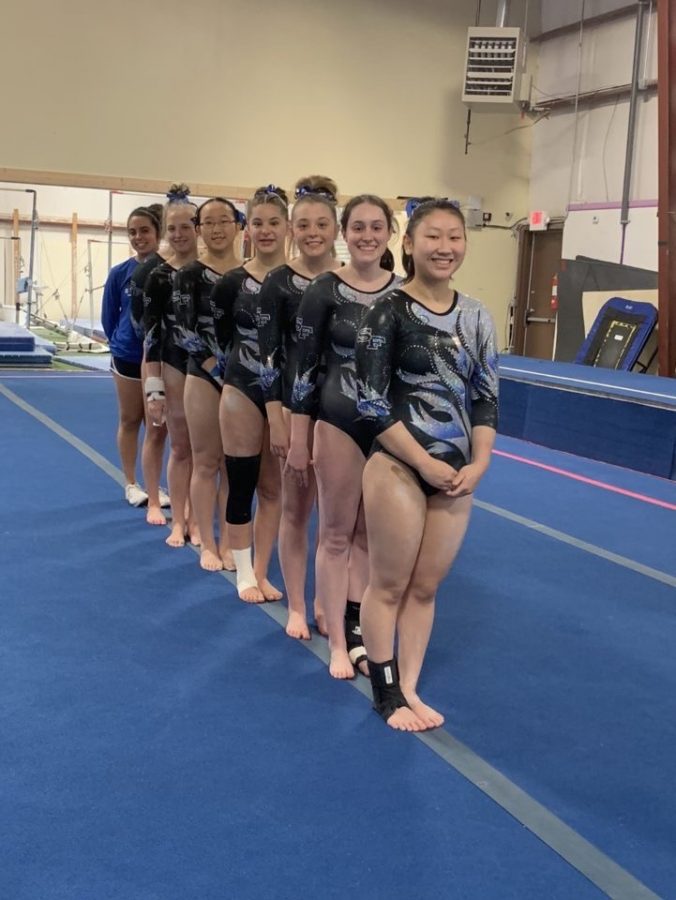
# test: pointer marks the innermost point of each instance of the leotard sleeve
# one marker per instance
(483, 384)
(374, 355)
(312, 324)
(215, 327)
(270, 338)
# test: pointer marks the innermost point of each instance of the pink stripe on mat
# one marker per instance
(591, 481)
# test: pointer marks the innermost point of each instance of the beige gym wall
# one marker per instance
(239, 92)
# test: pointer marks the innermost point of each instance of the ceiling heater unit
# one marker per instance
(492, 73)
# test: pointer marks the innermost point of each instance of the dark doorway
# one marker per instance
(534, 318)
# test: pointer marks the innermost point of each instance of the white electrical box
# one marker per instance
(492, 71)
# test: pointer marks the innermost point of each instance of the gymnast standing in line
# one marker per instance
(154, 439)
(427, 377)
(166, 362)
(126, 348)
(232, 332)
(329, 318)
(219, 222)
(314, 229)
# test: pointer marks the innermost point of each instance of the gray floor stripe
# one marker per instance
(602, 871)
(624, 561)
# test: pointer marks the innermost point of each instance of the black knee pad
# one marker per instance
(242, 480)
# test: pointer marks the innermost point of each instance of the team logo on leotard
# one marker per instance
(262, 318)
(372, 341)
(303, 331)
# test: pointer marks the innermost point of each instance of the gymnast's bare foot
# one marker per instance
(268, 590)
(176, 536)
(429, 717)
(155, 516)
(404, 719)
(194, 535)
(250, 594)
(340, 665)
(210, 561)
(296, 626)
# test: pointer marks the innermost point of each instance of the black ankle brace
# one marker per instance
(353, 639)
(387, 695)
(352, 626)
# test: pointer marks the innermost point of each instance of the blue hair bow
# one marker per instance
(178, 196)
(306, 191)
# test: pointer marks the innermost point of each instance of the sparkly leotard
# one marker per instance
(329, 317)
(278, 304)
(233, 332)
(435, 373)
(191, 300)
(159, 319)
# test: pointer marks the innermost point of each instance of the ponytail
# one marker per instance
(387, 260)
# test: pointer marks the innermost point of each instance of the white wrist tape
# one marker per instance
(154, 388)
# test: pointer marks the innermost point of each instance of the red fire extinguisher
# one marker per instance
(554, 302)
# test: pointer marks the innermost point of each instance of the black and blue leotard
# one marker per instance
(233, 332)
(191, 301)
(159, 319)
(435, 373)
(329, 317)
(278, 303)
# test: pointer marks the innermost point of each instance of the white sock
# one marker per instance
(245, 573)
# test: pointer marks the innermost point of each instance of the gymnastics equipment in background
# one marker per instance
(618, 335)
(24, 285)
(579, 276)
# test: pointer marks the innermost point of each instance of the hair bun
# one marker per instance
(178, 193)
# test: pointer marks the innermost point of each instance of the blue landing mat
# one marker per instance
(162, 741)
(565, 685)
(15, 337)
(25, 358)
(589, 379)
(593, 413)
(617, 522)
